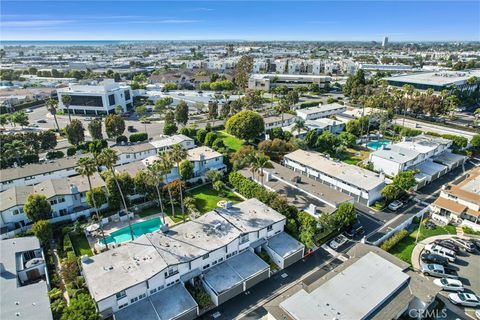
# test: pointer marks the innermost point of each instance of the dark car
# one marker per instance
(448, 244)
(430, 225)
(131, 129)
(434, 258)
(42, 121)
(354, 230)
(126, 114)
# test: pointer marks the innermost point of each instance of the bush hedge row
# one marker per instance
(388, 244)
(139, 136)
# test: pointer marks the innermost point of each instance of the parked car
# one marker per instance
(28, 110)
(88, 119)
(449, 284)
(395, 205)
(131, 129)
(145, 121)
(449, 244)
(338, 241)
(464, 243)
(42, 121)
(436, 270)
(126, 114)
(434, 258)
(441, 251)
(464, 299)
(354, 230)
(430, 225)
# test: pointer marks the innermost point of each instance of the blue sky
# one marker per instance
(406, 20)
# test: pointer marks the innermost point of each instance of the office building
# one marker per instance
(322, 111)
(437, 81)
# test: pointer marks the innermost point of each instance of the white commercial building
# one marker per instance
(364, 185)
(67, 197)
(216, 250)
(322, 111)
(98, 99)
(437, 81)
(272, 80)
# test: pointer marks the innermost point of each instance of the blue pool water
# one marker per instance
(140, 228)
(377, 144)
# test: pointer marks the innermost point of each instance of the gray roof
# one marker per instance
(321, 108)
(440, 78)
(133, 148)
(233, 271)
(396, 154)
(30, 301)
(353, 175)
(38, 168)
(250, 215)
(164, 305)
(284, 244)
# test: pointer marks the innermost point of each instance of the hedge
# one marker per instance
(250, 189)
(309, 104)
(388, 244)
(139, 136)
(55, 155)
(71, 151)
(121, 139)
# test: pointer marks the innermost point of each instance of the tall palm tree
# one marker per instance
(282, 107)
(86, 167)
(165, 165)
(261, 161)
(52, 106)
(155, 172)
(66, 100)
(177, 155)
(108, 158)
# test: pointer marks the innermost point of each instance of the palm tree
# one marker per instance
(177, 155)
(52, 106)
(155, 172)
(282, 107)
(108, 158)
(86, 167)
(299, 126)
(165, 165)
(66, 100)
(261, 161)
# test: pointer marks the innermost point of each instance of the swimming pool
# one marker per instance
(139, 228)
(377, 144)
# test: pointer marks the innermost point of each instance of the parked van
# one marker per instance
(441, 251)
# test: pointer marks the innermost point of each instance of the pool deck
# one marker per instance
(116, 225)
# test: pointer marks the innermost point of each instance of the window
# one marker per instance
(134, 300)
(214, 262)
(62, 212)
(142, 296)
(244, 239)
(120, 295)
(205, 256)
(123, 305)
(206, 266)
(86, 101)
(127, 95)
(220, 260)
(160, 288)
(16, 211)
(269, 228)
(53, 202)
(111, 99)
(171, 272)
(153, 291)
(61, 200)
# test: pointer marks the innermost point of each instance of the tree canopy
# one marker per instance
(245, 125)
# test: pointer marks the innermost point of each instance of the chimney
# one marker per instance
(73, 189)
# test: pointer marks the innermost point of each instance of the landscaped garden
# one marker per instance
(404, 248)
(80, 244)
(230, 141)
(354, 156)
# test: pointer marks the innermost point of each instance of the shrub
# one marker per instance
(218, 144)
(55, 155)
(121, 139)
(31, 158)
(139, 136)
(210, 138)
(309, 104)
(71, 151)
(388, 244)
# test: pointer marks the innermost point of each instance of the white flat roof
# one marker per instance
(440, 78)
(359, 177)
(353, 293)
(321, 108)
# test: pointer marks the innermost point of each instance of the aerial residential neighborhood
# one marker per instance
(180, 160)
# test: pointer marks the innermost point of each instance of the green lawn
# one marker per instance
(404, 248)
(230, 141)
(354, 156)
(80, 244)
(206, 198)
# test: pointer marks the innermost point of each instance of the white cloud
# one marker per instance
(33, 23)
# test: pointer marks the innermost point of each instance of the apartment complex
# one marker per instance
(216, 251)
(269, 81)
(98, 99)
(322, 111)
(459, 201)
(429, 156)
(67, 197)
(24, 280)
(364, 185)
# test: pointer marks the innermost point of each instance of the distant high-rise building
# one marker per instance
(385, 42)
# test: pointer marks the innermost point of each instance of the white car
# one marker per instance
(88, 119)
(449, 284)
(338, 241)
(28, 110)
(464, 299)
(395, 205)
